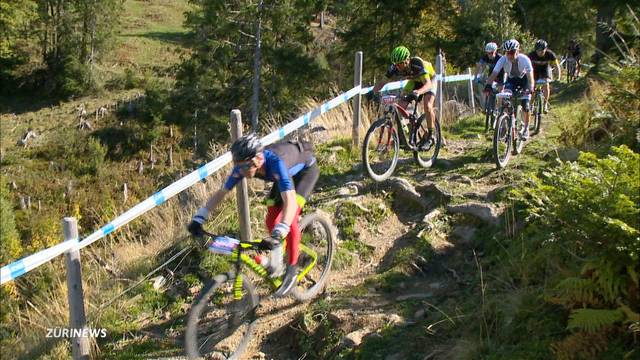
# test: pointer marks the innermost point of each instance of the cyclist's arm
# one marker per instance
(496, 70)
(380, 84)
(425, 87)
(558, 66)
(479, 68)
(216, 199)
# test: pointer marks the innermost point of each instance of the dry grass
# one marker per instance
(337, 123)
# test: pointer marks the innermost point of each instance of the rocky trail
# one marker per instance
(451, 205)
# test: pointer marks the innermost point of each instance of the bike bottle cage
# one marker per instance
(268, 243)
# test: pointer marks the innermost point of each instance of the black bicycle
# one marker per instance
(223, 317)
(398, 129)
(490, 110)
(537, 107)
(506, 137)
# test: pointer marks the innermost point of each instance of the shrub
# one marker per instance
(589, 210)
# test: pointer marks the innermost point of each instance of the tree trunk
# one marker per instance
(255, 101)
(605, 24)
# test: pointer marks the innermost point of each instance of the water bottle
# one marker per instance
(262, 260)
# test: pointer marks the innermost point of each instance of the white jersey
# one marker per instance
(523, 66)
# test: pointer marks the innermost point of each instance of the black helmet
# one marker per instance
(246, 147)
(541, 45)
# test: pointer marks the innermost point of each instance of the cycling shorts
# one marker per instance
(521, 85)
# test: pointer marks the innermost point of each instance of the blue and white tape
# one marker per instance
(24, 265)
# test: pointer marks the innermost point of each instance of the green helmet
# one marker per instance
(399, 54)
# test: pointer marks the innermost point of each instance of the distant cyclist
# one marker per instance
(574, 51)
(542, 59)
(488, 62)
(420, 74)
(293, 169)
(519, 72)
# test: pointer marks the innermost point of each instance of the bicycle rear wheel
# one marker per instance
(380, 150)
(502, 140)
(316, 255)
(427, 157)
(218, 326)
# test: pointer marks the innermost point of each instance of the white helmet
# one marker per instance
(512, 44)
(490, 47)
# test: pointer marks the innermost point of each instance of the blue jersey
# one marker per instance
(282, 161)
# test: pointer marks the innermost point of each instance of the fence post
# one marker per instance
(440, 81)
(242, 197)
(472, 101)
(75, 294)
(357, 81)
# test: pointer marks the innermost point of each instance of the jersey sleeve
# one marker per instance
(281, 175)
(392, 71)
(526, 63)
(552, 55)
(233, 179)
(499, 65)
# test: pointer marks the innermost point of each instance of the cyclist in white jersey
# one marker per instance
(519, 72)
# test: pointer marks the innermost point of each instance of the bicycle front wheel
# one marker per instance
(219, 326)
(502, 141)
(316, 255)
(536, 120)
(380, 150)
(518, 141)
(428, 149)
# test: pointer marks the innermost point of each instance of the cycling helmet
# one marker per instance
(512, 44)
(399, 54)
(245, 147)
(541, 45)
(490, 47)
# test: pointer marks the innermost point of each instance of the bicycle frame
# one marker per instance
(239, 258)
(398, 113)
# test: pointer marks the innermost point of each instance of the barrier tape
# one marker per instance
(20, 267)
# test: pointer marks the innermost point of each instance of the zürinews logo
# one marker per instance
(76, 333)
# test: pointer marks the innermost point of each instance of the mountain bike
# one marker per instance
(223, 317)
(507, 132)
(571, 64)
(537, 107)
(490, 110)
(398, 129)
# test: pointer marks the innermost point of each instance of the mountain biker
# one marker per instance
(488, 61)
(574, 51)
(421, 85)
(519, 72)
(293, 169)
(542, 58)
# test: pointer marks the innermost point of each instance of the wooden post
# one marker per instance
(77, 317)
(439, 87)
(151, 159)
(472, 102)
(170, 159)
(125, 193)
(357, 81)
(242, 192)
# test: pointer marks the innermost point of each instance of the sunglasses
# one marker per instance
(245, 166)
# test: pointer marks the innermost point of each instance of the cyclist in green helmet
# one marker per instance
(421, 84)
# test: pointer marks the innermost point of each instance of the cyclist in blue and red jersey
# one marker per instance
(293, 170)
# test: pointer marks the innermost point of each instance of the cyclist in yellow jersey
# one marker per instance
(421, 84)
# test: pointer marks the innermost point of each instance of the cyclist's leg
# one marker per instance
(408, 87)
(304, 182)
(429, 100)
